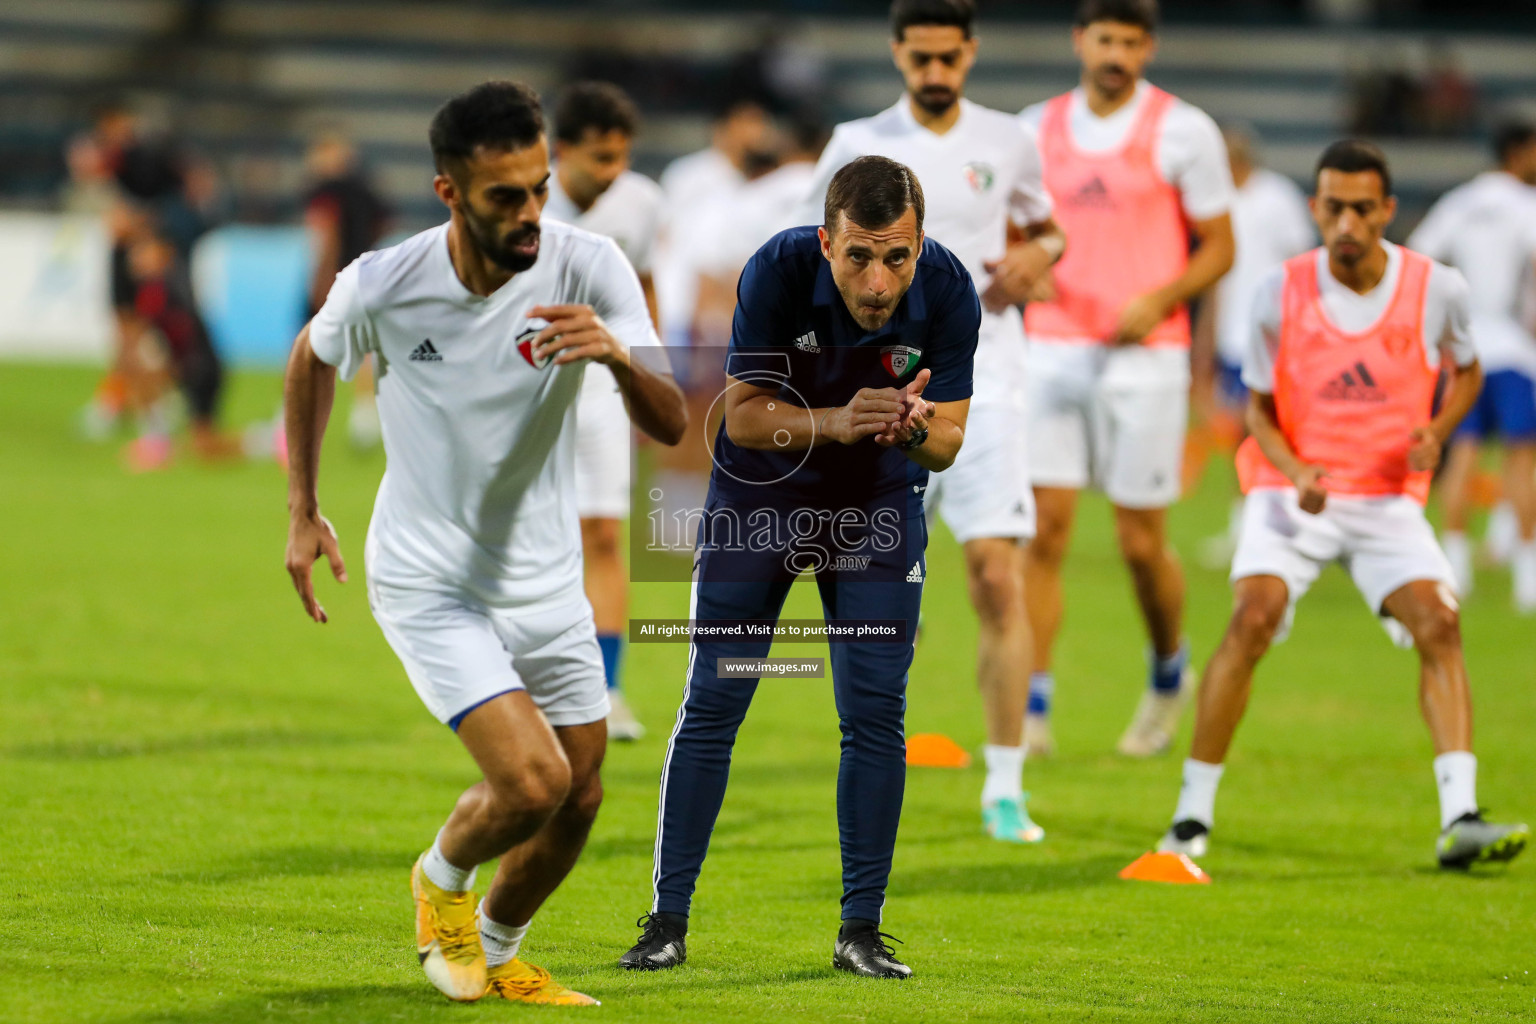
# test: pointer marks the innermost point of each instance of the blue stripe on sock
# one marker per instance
(1168, 673)
(1042, 685)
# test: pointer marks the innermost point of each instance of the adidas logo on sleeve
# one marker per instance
(425, 353)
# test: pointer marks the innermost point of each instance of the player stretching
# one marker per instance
(1342, 364)
(482, 328)
(981, 173)
(1487, 230)
(830, 434)
(1133, 172)
(593, 188)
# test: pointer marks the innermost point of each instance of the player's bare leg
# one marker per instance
(1428, 610)
(1455, 507)
(995, 576)
(533, 809)
(1158, 581)
(1520, 491)
(607, 587)
(1055, 509)
(363, 428)
(1259, 604)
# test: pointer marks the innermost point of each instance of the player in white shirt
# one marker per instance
(593, 188)
(1137, 176)
(980, 170)
(1270, 224)
(482, 329)
(1487, 229)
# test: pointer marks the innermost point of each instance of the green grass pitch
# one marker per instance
(209, 804)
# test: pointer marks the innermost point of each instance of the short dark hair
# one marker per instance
(594, 106)
(873, 191)
(960, 14)
(1512, 136)
(1353, 156)
(497, 115)
(1142, 13)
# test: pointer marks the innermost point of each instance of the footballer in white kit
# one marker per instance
(592, 187)
(482, 330)
(980, 172)
(1486, 228)
(1142, 188)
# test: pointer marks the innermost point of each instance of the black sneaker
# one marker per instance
(661, 943)
(861, 949)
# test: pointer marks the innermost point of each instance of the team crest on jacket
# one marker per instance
(525, 342)
(980, 176)
(898, 359)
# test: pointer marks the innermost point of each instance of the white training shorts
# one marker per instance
(459, 653)
(987, 492)
(603, 447)
(1112, 418)
(1383, 543)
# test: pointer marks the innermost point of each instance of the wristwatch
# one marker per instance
(915, 441)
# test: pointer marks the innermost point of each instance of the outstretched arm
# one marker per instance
(308, 391)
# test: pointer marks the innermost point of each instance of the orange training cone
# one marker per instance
(935, 750)
(1175, 868)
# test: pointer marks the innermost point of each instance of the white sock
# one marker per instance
(1522, 568)
(1503, 532)
(1458, 551)
(500, 941)
(446, 876)
(1197, 797)
(1456, 776)
(1005, 774)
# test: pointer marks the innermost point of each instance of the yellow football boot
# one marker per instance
(448, 938)
(524, 983)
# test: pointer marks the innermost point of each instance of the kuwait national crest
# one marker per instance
(980, 176)
(898, 359)
(525, 342)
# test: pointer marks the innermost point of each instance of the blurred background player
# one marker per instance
(988, 205)
(741, 148)
(1137, 176)
(1270, 224)
(1346, 350)
(1487, 230)
(592, 187)
(344, 217)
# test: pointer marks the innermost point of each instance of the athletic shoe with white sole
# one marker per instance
(448, 938)
(1470, 840)
(622, 723)
(1157, 718)
(1008, 820)
(1188, 837)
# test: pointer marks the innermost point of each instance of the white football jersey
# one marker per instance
(629, 212)
(1270, 224)
(1486, 228)
(977, 177)
(478, 497)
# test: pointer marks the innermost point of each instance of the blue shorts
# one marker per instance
(1230, 388)
(1506, 408)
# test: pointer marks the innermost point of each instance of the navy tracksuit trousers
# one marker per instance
(869, 681)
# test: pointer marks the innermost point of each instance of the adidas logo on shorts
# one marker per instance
(916, 575)
(425, 353)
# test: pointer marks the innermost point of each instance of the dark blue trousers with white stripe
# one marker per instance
(869, 682)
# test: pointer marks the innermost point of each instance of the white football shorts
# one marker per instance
(603, 448)
(1108, 418)
(987, 492)
(1383, 543)
(460, 653)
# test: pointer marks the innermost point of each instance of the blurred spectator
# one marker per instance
(1384, 97)
(1450, 100)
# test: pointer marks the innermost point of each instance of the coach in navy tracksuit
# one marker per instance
(849, 377)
